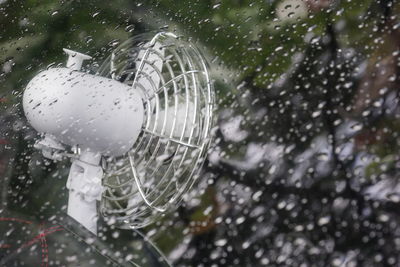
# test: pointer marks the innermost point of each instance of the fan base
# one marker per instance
(84, 184)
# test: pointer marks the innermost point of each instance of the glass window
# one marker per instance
(303, 164)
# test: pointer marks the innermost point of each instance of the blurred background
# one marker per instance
(304, 169)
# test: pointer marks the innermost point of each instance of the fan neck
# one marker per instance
(92, 158)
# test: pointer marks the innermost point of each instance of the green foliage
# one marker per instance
(293, 80)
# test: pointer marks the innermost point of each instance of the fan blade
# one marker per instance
(149, 64)
(177, 124)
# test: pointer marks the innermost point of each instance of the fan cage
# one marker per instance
(173, 79)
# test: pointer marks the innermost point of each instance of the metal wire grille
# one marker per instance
(173, 79)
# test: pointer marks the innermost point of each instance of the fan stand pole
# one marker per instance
(84, 184)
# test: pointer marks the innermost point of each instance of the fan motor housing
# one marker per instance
(96, 113)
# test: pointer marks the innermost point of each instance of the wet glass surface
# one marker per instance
(304, 164)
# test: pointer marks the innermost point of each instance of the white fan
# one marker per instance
(147, 113)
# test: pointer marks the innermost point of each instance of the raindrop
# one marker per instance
(324, 220)
(221, 242)
(246, 245)
(315, 114)
(395, 197)
(383, 217)
(240, 220)
(356, 127)
(115, 234)
(216, 6)
(130, 28)
(256, 196)
(272, 169)
(264, 261)
(323, 156)
(95, 14)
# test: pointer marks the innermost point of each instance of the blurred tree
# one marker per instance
(305, 164)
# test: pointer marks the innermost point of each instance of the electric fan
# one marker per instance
(139, 129)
